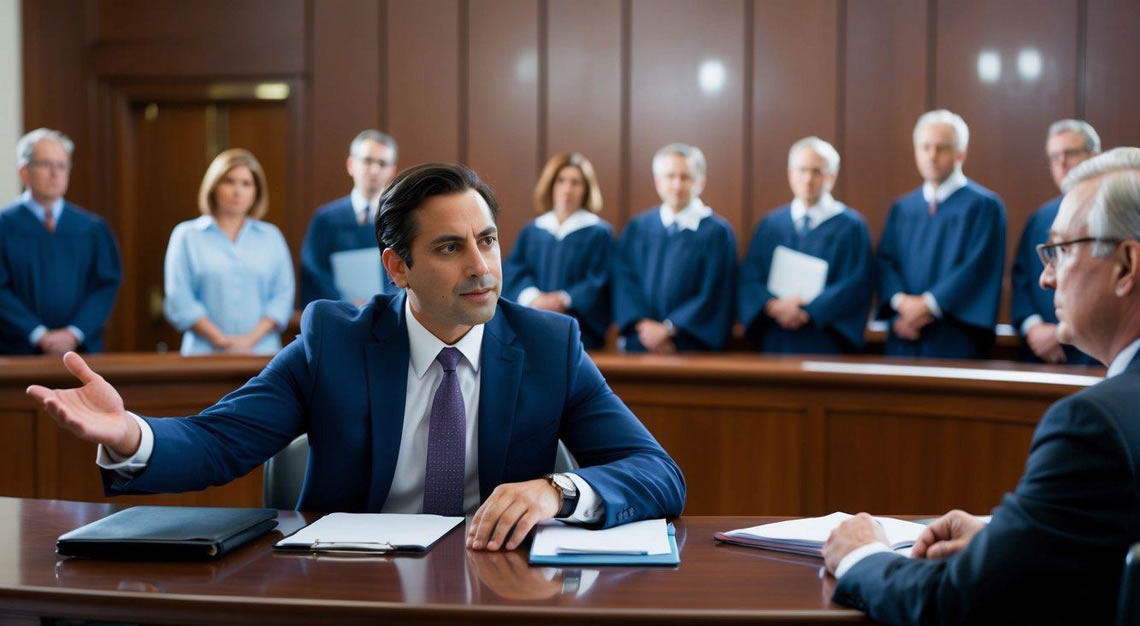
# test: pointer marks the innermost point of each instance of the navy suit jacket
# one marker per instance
(344, 379)
(1054, 551)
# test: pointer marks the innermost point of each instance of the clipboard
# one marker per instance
(369, 534)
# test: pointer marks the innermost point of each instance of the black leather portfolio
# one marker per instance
(167, 533)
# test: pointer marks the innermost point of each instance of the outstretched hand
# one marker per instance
(94, 412)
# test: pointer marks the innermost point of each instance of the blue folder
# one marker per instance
(563, 560)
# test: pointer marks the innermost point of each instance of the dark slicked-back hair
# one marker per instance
(395, 224)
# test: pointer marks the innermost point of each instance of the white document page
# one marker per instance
(796, 274)
(365, 529)
(811, 531)
(357, 274)
(647, 537)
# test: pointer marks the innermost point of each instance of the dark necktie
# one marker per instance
(447, 439)
(802, 225)
(933, 206)
(49, 220)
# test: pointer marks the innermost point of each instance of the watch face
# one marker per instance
(567, 485)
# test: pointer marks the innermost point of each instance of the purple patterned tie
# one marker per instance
(447, 442)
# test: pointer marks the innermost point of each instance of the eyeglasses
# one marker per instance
(60, 166)
(1065, 155)
(368, 162)
(1050, 252)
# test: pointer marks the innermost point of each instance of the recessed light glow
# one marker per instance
(1029, 64)
(711, 76)
(989, 66)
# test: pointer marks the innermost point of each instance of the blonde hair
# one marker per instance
(219, 167)
(544, 189)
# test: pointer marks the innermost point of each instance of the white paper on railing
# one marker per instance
(357, 274)
(647, 537)
(794, 273)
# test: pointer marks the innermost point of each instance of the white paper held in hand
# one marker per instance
(794, 273)
(649, 537)
(357, 274)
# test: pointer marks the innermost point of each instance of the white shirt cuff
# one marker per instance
(37, 333)
(590, 507)
(1030, 322)
(858, 554)
(566, 298)
(526, 296)
(932, 305)
(79, 336)
(133, 466)
(896, 300)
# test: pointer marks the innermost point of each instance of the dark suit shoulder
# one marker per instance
(534, 325)
(338, 316)
(1109, 405)
(332, 210)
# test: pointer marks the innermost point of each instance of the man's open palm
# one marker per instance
(93, 412)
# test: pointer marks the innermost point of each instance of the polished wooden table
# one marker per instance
(714, 584)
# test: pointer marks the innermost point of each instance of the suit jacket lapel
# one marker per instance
(386, 360)
(499, 387)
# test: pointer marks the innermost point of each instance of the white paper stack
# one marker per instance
(794, 273)
(806, 536)
(370, 532)
(649, 537)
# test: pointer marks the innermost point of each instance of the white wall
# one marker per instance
(11, 97)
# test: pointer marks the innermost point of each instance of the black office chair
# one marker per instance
(1128, 605)
(285, 472)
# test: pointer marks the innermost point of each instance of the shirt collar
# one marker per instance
(1124, 359)
(360, 204)
(826, 208)
(956, 181)
(38, 209)
(688, 218)
(424, 346)
(577, 221)
(206, 222)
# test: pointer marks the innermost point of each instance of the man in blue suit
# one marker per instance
(1054, 548)
(443, 399)
(347, 223)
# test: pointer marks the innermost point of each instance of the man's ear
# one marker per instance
(395, 266)
(1127, 267)
(348, 165)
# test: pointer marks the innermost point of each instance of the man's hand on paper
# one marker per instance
(512, 505)
(947, 536)
(94, 412)
(851, 534)
(1042, 339)
(787, 312)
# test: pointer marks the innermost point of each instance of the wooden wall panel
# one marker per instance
(502, 96)
(1110, 71)
(885, 78)
(345, 88)
(423, 115)
(1009, 114)
(795, 91)
(583, 90)
(264, 128)
(146, 38)
(669, 105)
(17, 452)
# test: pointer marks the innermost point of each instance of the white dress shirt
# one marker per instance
(549, 222)
(365, 208)
(406, 494)
(1119, 364)
(824, 209)
(688, 218)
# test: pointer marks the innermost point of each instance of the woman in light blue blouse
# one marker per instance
(229, 275)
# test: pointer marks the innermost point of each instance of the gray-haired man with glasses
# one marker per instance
(1068, 144)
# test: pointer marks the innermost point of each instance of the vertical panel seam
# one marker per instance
(543, 83)
(931, 53)
(1082, 56)
(749, 102)
(626, 117)
(464, 71)
(841, 84)
(383, 54)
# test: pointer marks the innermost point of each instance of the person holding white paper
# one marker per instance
(806, 284)
(348, 223)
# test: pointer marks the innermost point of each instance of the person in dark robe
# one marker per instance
(561, 261)
(1068, 144)
(942, 252)
(59, 264)
(675, 265)
(348, 223)
(815, 224)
